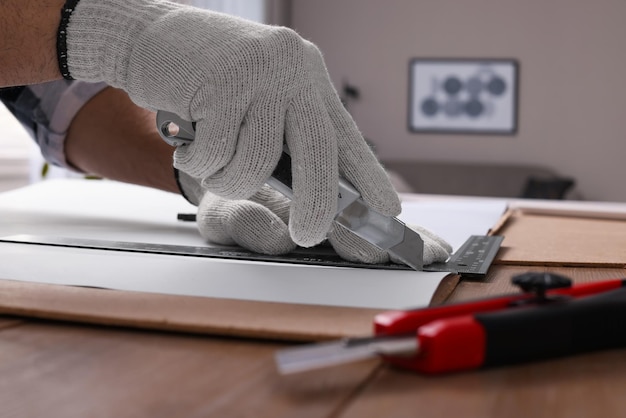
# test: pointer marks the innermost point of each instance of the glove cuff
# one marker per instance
(95, 37)
(189, 187)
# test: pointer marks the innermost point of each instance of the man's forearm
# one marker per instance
(28, 35)
(110, 136)
(113, 138)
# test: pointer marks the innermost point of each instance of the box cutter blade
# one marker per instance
(386, 233)
(309, 357)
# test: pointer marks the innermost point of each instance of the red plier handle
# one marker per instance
(511, 329)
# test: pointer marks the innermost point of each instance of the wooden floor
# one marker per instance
(53, 369)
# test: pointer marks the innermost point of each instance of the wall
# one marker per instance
(572, 114)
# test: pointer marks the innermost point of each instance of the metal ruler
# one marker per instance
(473, 258)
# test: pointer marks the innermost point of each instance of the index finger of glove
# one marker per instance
(359, 165)
(313, 147)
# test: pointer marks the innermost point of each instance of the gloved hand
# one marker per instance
(260, 224)
(354, 248)
(247, 86)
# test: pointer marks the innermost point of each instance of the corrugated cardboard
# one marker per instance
(562, 240)
(227, 317)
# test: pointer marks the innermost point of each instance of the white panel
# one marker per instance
(114, 211)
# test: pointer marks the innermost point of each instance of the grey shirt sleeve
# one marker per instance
(47, 110)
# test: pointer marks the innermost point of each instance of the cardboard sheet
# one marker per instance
(560, 240)
(201, 315)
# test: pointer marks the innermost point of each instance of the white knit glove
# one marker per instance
(260, 224)
(249, 87)
(354, 248)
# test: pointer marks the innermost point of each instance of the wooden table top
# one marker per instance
(50, 369)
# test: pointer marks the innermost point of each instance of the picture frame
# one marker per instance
(463, 95)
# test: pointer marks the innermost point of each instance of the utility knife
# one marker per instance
(385, 232)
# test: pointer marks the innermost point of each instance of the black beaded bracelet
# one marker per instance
(66, 13)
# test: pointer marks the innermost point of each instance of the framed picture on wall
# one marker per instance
(454, 95)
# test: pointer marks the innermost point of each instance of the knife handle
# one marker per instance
(517, 335)
(398, 322)
(180, 132)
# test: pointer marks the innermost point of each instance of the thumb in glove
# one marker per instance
(259, 224)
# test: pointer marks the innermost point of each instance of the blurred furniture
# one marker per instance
(492, 180)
